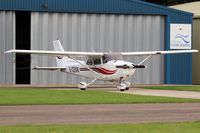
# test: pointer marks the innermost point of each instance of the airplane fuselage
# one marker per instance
(110, 71)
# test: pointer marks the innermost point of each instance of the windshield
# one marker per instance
(112, 56)
(97, 61)
(93, 61)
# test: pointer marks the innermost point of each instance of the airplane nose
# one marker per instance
(125, 66)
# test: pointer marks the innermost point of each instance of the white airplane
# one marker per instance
(99, 66)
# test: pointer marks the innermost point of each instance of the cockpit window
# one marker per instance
(94, 61)
(104, 60)
(97, 61)
(89, 61)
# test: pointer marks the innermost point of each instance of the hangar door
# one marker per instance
(7, 42)
(97, 32)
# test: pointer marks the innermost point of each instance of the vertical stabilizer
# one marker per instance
(60, 60)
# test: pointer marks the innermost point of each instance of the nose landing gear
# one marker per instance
(128, 84)
(121, 87)
(124, 86)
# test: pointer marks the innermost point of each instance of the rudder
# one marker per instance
(60, 60)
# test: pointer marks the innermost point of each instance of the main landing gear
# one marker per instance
(84, 85)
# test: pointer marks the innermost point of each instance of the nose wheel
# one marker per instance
(124, 86)
(121, 87)
(128, 84)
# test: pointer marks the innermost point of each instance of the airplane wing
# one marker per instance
(48, 68)
(157, 52)
(85, 54)
(56, 53)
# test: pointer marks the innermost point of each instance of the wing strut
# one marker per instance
(86, 67)
(144, 60)
(92, 81)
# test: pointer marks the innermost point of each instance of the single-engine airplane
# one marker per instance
(98, 66)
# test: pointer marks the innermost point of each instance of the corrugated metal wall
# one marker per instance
(196, 56)
(88, 32)
(178, 67)
(7, 35)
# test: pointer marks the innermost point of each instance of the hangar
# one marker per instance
(89, 25)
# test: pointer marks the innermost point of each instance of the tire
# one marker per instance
(127, 88)
(83, 89)
(121, 87)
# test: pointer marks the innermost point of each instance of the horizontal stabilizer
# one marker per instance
(48, 68)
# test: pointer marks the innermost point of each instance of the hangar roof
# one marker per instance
(88, 6)
(193, 7)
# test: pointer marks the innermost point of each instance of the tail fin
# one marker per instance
(60, 60)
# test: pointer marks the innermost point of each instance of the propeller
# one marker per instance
(139, 66)
(125, 66)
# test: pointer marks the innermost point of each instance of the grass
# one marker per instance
(186, 127)
(180, 88)
(28, 96)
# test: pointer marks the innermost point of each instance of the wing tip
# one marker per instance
(9, 51)
(195, 50)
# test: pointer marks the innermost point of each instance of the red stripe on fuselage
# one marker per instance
(100, 70)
